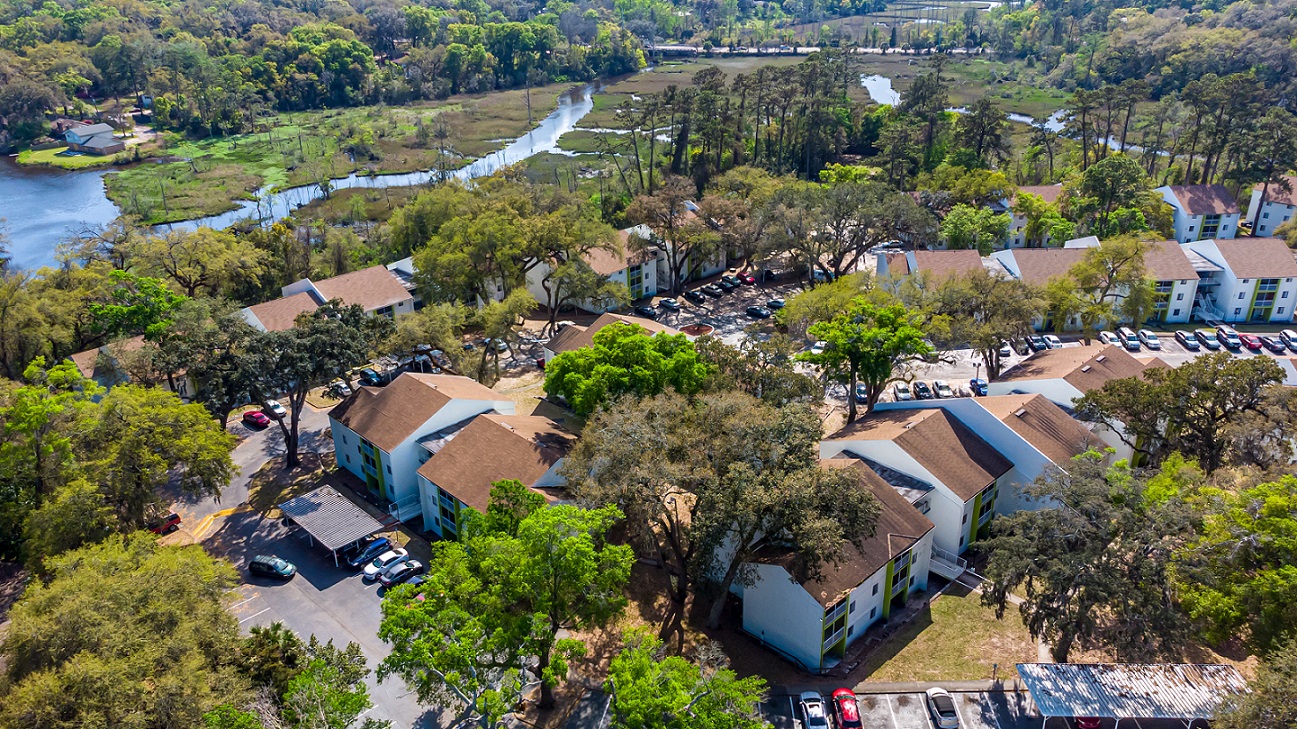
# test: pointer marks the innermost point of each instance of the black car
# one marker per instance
(267, 565)
(669, 305)
(713, 291)
(1187, 340)
(758, 312)
(400, 573)
(369, 552)
(727, 284)
(775, 304)
(730, 278)
(1274, 344)
(695, 297)
(1037, 343)
(922, 391)
(647, 312)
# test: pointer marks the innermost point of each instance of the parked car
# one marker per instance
(713, 291)
(942, 708)
(922, 391)
(1149, 339)
(1053, 342)
(731, 279)
(1187, 340)
(1129, 339)
(862, 393)
(400, 572)
(846, 711)
(1228, 337)
(978, 386)
(266, 565)
(818, 347)
(647, 312)
(758, 312)
(775, 304)
(345, 554)
(1037, 343)
(942, 389)
(1006, 350)
(1251, 341)
(813, 710)
(383, 561)
(500, 345)
(166, 524)
(368, 552)
(1207, 338)
(901, 391)
(275, 409)
(339, 388)
(256, 419)
(669, 304)
(369, 377)
(748, 279)
(1273, 343)
(1088, 722)
(1289, 338)
(694, 297)
(1108, 337)
(729, 283)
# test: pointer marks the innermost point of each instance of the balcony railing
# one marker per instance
(832, 639)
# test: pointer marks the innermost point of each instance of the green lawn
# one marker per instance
(956, 639)
(51, 158)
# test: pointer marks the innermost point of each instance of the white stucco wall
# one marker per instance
(780, 612)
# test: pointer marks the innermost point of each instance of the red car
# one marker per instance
(1251, 341)
(1087, 722)
(166, 525)
(748, 279)
(845, 709)
(256, 418)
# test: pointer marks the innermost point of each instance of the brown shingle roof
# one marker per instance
(575, 337)
(943, 264)
(1164, 260)
(1042, 424)
(1205, 199)
(941, 444)
(1050, 193)
(493, 448)
(900, 526)
(1276, 194)
(1258, 257)
(372, 288)
(1038, 265)
(1085, 368)
(85, 361)
(607, 262)
(897, 264)
(280, 315)
(387, 416)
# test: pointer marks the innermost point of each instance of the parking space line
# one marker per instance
(895, 724)
(254, 615)
(962, 720)
(241, 603)
(995, 716)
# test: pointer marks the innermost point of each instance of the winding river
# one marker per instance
(882, 92)
(43, 206)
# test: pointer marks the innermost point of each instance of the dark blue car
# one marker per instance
(978, 386)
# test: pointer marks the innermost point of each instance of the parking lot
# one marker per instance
(977, 710)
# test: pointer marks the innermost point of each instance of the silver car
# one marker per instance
(814, 710)
(902, 391)
(942, 708)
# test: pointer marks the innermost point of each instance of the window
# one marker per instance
(872, 612)
(1284, 295)
(923, 506)
(383, 311)
(1191, 228)
(1280, 311)
(344, 440)
(1179, 297)
(348, 459)
(875, 592)
(962, 540)
(389, 469)
(965, 521)
(1237, 312)
(1240, 295)
(1175, 313)
(1265, 216)
(850, 629)
(852, 609)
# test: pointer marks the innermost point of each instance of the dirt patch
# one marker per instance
(272, 484)
(13, 580)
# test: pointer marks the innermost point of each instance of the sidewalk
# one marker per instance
(918, 687)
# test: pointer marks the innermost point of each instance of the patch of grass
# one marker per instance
(956, 639)
(51, 158)
(272, 485)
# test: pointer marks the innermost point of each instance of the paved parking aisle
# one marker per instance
(977, 710)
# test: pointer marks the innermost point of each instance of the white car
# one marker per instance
(902, 392)
(274, 408)
(1149, 339)
(1006, 350)
(1289, 338)
(383, 561)
(819, 347)
(1053, 342)
(942, 708)
(1108, 337)
(942, 389)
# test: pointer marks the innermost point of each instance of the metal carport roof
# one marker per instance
(1130, 690)
(330, 518)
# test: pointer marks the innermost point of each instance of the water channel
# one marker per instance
(881, 91)
(43, 205)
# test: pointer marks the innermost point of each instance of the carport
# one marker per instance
(330, 518)
(1130, 691)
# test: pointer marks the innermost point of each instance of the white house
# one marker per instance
(379, 433)
(1255, 279)
(948, 472)
(1037, 266)
(1277, 208)
(1201, 212)
(463, 461)
(575, 336)
(1018, 227)
(813, 621)
(1175, 281)
(636, 270)
(1029, 430)
(376, 289)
